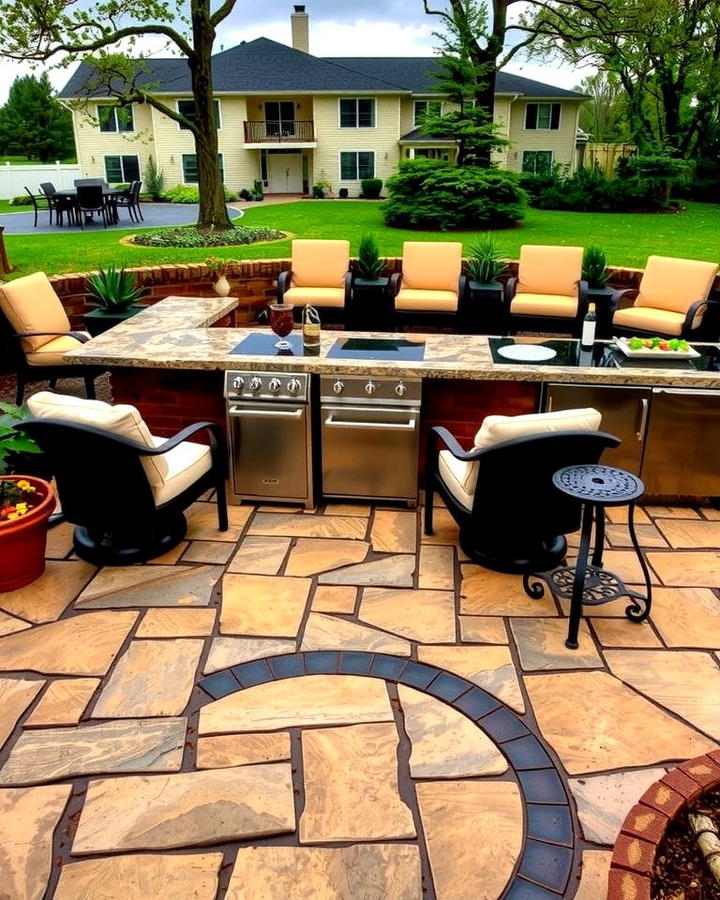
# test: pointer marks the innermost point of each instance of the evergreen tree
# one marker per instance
(33, 123)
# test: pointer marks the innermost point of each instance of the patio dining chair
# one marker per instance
(548, 293)
(40, 203)
(124, 489)
(131, 201)
(84, 182)
(91, 200)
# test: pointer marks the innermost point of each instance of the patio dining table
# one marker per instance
(109, 194)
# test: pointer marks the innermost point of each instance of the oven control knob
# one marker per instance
(370, 388)
(294, 386)
(274, 385)
(255, 384)
(400, 389)
(238, 383)
(338, 387)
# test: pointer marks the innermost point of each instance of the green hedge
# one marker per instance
(188, 193)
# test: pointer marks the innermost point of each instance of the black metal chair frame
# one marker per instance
(49, 208)
(105, 492)
(131, 200)
(518, 520)
(284, 283)
(687, 332)
(546, 323)
(429, 317)
(84, 206)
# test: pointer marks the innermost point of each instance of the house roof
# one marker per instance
(267, 66)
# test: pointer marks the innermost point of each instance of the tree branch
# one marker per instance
(41, 54)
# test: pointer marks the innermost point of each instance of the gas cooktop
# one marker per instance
(377, 348)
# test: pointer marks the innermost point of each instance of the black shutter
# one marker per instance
(531, 115)
(555, 116)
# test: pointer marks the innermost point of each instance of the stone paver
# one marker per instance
(202, 522)
(603, 801)
(671, 512)
(426, 616)
(46, 599)
(367, 871)
(153, 678)
(490, 668)
(331, 599)
(437, 568)
(59, 541)
(150, 586)
(485, 593)
(230, 651)
(263, 605)
(9, 624)
(394, 531)
(445, 743)
(259, 555)
(687, 569)
(618, 729)
(48, 754)
(28, 817)
(170, 623)
(311, 700)
(324, 632)
(311, 556)
(309, 526)
(393, 571)
(623, 633)
(541, 645)
(594, 875)
(689, 534)
(224, 750)
(687, 617)
(81, 645)
(158, 812)
(63, 702)
(648, 535)
(212, 552)
(141, 876)
(483, 630)
(347, 509)
(351, 785)
(473, 832)
(16, 694)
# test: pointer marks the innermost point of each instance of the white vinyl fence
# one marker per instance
(14, 178)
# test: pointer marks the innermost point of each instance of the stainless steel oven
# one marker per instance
(369, 436)
(269, 431)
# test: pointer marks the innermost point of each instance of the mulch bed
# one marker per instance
(680, 873)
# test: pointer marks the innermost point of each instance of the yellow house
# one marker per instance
(291, 119)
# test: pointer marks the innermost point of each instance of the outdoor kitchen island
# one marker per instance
(170, 361)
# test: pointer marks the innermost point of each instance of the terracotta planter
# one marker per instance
(22, 542)
(644, 828)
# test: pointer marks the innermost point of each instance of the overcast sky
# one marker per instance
(371, 28)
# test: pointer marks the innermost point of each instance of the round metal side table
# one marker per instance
(588, 584)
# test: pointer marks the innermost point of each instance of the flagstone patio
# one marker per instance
(328, 704)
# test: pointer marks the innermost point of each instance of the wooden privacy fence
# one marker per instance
(603, 156)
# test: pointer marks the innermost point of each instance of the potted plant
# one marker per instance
(218, 268)
(114, 292)
(26, 503)
(595, 273)
(370, 300)
(485, 265)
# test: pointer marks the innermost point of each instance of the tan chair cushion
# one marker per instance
(185, 464)
(544, 305)
(320, 263)
(30, 304)
(122, 420)
(675, 284)
(427, 301)
(496, 429)
(549, 270)
(322, 296)
(53, 353)
(644, 318)
(459, 477)
(431, 265)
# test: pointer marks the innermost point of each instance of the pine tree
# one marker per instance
(33, 123)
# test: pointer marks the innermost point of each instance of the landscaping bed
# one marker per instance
(189, 236)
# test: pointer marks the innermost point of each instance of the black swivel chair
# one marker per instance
(514, 520)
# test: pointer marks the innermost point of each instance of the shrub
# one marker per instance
(257, 190)
(485, 263)
(188, 193)
(658, 172)
(369, 265)
(371, 188)
(244, 194)
(24, 200)
(189, 236)
(318, 192)
(587, 190)
(594, 268)
(433, 194)
(154, 180)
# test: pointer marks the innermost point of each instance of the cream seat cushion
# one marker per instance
(645, 318)
(320, 263)
(544, 305)
(460, 476)
(430, 301)
(322, 296)
(53, 353)
(549, 270)
(675, 284)
(30, 304)
(186, 463)
(122, 420)
(431, 266)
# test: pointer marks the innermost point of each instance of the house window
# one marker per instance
(357, 112)
(356, 164)
(187, 108)
(115, 118)
(542, 116)
(423, 107)
(537, 162)
(190, 170)
(122, 169)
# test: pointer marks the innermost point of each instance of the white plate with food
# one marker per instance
(655, 348)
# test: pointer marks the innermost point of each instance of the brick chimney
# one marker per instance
(300, 25)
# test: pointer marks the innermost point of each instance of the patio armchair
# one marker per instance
(320, 275)
(671, 301)
(40, 335)
(431, 283)
(40, 203)
(510, 516)
(548, 293)
(124, 489)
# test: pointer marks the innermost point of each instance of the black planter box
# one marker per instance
(371, 306)
(99, 320)
(483, 310)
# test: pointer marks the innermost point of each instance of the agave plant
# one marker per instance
(485, 264)
(113, 289)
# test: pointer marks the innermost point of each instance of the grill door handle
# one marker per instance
(332, 422)
(266, 413)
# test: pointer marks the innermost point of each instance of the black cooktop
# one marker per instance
(377, 348)
(263, 344)
(603, 355)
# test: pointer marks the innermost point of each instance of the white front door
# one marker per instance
(284, 173)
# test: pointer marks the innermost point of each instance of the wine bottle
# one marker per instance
(587, 341)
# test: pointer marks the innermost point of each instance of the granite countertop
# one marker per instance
(175, 334)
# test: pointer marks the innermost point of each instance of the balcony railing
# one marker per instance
(280, 130)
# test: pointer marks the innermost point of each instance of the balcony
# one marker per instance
(279, 131)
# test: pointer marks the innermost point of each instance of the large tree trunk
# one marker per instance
(213, 211)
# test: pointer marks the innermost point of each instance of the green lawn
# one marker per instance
(627, 239)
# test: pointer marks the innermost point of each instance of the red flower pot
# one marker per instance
(22, 541)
